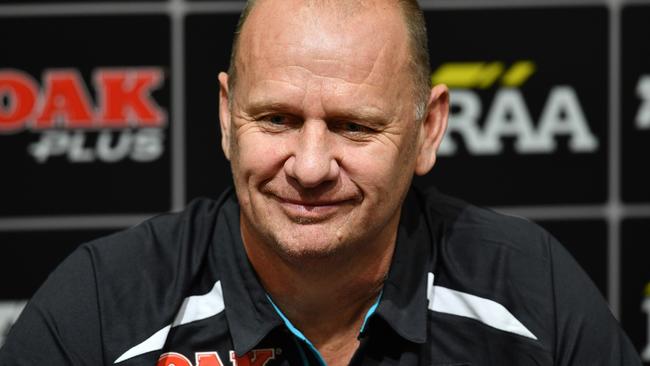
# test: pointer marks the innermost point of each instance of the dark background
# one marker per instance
(596, 203)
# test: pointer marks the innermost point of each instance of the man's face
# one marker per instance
(321, 135)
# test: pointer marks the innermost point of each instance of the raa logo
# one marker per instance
(256, 357)
(509, 115)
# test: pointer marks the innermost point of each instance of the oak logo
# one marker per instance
(124, 121)
(507, 115)
(257, 357)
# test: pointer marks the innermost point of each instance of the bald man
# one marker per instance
(323, 254)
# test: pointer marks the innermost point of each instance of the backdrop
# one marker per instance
(109, 115)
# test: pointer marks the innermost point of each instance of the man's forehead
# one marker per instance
(281, 29)
(342, 8)
(274, 18)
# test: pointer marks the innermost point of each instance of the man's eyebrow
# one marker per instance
(369, 115)
(264, 106)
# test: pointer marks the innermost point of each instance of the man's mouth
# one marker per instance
(310, 211)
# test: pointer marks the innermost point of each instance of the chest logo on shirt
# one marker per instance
(256, 357)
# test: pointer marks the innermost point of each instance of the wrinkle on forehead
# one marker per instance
(299, 65)
(284, 33)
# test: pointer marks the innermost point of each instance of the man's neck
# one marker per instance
(326, 298)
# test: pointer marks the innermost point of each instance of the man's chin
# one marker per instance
(304, 255)
(309, 243)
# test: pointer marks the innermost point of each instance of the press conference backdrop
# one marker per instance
(109, 115)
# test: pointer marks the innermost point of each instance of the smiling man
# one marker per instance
(324, 126)
(323, 254)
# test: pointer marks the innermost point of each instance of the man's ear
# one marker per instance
(224, 114)
(432, 128)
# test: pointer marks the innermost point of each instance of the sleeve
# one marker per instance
(60, 325)
(586, 331)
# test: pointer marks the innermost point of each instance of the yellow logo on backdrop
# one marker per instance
(482, 75)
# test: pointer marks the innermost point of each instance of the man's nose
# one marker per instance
(313, 160)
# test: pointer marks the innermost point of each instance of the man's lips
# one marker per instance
(313, 210)
(313, 203)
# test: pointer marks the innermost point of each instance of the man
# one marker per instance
(323, 255)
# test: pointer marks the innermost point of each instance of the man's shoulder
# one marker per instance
(473, 229)
(156, 264)
(163, 236)
(161, 256)
(504, 261)
(519, 288)
(122, 288)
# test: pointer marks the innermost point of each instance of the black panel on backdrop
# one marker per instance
(635, 284)
(635, 103)
(529, 104)
(29, 256)
(84, 106)
(208, 40)
(586, 240)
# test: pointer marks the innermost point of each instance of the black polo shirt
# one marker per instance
(466, 286)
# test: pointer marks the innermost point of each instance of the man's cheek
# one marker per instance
(263, 147)
(363, 161)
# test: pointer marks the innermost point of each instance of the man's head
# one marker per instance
(321, 126)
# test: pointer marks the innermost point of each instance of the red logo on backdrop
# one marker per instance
(257, 357)
(123, 121)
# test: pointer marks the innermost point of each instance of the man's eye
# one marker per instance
(354, 127)
(277, 119)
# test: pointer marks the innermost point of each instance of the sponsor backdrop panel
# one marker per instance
(635, 283)
(586, 240)
(208, 40)
(635, 103)
(83, 115)
(529, 104)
